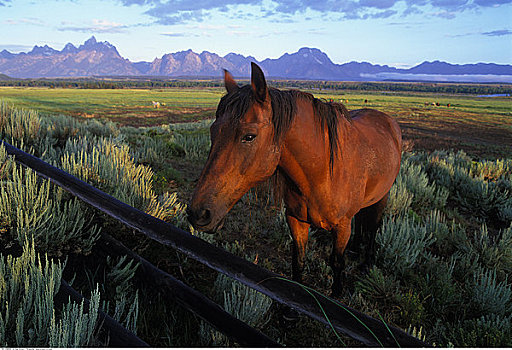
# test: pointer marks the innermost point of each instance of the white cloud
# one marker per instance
(171, 12)
(24, 21)
(97, 26)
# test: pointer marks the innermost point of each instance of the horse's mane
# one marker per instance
(284, 109)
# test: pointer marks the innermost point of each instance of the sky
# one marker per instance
(399, 33)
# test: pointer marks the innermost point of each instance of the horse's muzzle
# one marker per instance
(202, 219)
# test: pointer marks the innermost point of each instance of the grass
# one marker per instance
(129, 106)
(480, 125)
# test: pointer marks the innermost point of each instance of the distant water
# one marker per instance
(495, 95)
(448, 78)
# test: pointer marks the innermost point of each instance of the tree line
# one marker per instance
(87, 83)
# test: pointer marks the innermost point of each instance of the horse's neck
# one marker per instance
(305, 153)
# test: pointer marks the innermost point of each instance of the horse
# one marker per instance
(332, 164)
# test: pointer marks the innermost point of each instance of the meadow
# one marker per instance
(480, 125)
(444, 250)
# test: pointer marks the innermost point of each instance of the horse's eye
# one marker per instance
(248, 138)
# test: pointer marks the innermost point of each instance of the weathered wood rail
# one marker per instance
(191, 299)
(344, 319)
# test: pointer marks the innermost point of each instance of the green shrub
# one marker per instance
(32, 208)
(481, 189)
(448, 238)
(27, 314)
(442, 292)
(6, 163)
(487, 331)
(61, 128)
(193, 138)
(400, 199)
(192, 126)
(426, 194)
(40, 135)
(75, 328)
(401, 242)
(108, 165)
(492, 170)
(120, 289)
(494, 251)
(153, 149)
(23, 125)
(412, 310)
(242, 302)
(378, 287)
(196, 145)
(483, 199)
(489, 296)
(413, 189)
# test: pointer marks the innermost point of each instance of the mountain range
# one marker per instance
(94, 58)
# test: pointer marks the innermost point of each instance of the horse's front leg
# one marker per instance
(300, 231)
(341, 235)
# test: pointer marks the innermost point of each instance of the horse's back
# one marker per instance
(372, 122)
(379, 140)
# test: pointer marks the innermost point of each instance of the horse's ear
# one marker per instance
(229, 82)
(258, 83)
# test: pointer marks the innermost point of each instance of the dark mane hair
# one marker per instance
(284, 109)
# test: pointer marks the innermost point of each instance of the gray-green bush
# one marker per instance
(483, 189)
(402, 242)
(28, 316)
(108, 165)
(34, 209)
(240, 301)
(120, 275)
(413, 189)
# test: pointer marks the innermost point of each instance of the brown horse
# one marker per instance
(333, 164)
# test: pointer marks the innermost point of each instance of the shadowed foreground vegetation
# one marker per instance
(443, 262)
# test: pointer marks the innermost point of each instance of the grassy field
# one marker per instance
(480, 125)
(444, 252)
(126, 106)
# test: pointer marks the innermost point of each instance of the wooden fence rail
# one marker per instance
(192, 300)
(344, 319)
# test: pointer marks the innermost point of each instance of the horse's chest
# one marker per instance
(321, 218)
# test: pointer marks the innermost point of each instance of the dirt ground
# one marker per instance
(143, 116)
(478, 139)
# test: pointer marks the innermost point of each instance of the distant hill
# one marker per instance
(103, 59)
(438, 67)
(4, 77)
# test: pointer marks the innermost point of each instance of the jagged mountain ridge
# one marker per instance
(90, 58)
(94, 58)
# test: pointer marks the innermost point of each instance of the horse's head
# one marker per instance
(243, 151)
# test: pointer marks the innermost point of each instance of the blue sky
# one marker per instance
(400, 33)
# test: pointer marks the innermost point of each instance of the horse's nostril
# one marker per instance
(205, 217)
(201, 217)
